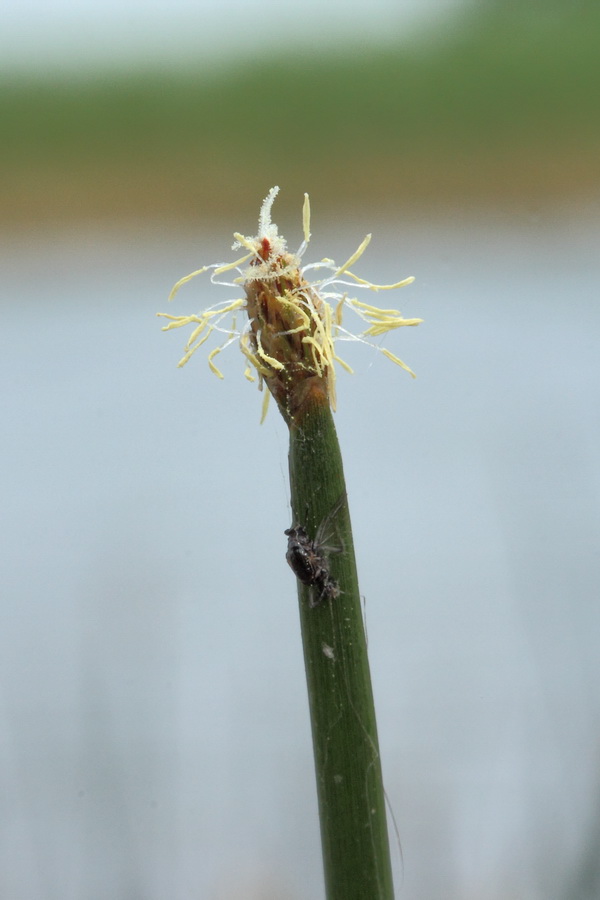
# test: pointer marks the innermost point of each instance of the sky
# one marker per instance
(63, 34)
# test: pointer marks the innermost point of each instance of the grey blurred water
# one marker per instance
(155, 736)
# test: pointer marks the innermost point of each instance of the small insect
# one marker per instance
(307, 558)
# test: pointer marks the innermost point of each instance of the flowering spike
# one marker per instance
(293, 324)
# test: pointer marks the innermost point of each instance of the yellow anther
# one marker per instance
(213, 368)
(178, 321)
(318, 356)
(192, 347)
(380, 287)
(250, 244)
(375, 311)
(196, 333)
(274, 363)
(356, 255)
(398, 361)
(306, 218)
(228, 266)
(389, 325)
(185, 280)
(343, 364)
(265, 406)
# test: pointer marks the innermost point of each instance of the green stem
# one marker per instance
(356, 855)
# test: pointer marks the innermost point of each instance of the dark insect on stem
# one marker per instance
(308, 560)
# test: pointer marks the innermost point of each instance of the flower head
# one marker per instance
(293, 324)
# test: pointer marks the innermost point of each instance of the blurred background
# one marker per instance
(154, 724)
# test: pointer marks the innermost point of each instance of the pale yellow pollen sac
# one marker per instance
(270, 360)
(250, 244)
(252, 358)
(213, 368)
(178, 321)
(315, 309)
(238, 262)
(380, 287)
(196, 333)
(191, 349)
(185, 280)
(306, 219)
(343, 364)
(382, 320)
(355, 256)
(398, 361)
(265, 406)
(319, 357)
